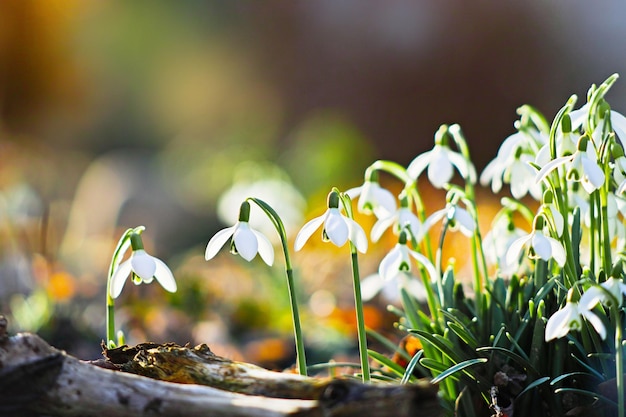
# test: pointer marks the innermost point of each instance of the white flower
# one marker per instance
(544, 247)
(570, 318)
(374, 198)
(458, 217)
(582, 167)
(337, 228)
(595, 294)
(402, 218)
(395, 270)
(618, 121)
(245, 241)
(512, 164)
(441, 161)
(144, 268)
(497, 242)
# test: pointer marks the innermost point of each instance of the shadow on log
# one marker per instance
(39, 380)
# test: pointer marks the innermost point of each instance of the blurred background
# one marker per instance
(166, 114)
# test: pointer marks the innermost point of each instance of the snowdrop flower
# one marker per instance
(395, 270)
(512, 165)
(458, 218)
(570, 318)
(373, 198)
(441, 161)
(337, 228)
(143, 268)
(597, 294)
(582, 166)
(245, 240)
(497, 242)
(550, 209)
(618, 121)
(541, 246)
(402, 218)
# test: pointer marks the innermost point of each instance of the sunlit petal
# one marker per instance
(336, 227)
(440, 168)
(426, 263)
(618, 122)
(593, 172)
(418, 165)
(217, 241)
(245, 241)
(119, 278)
(465, 167)
(557, 251)
(559, 324)
(380, 226)
(266, 250)
(307, 230)
(591, 297)
(513, 253)
(143, 265)
(390, 264)
(465, 221)
(551, 166)
(596, 322)
(357, 235)
(164, 276)
(370, 286)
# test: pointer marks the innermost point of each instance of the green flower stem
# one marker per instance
(358, 301)
(297, 328)
(122, 246)
(480, 276)
(360, 319)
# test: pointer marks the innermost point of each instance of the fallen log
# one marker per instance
(38, 380)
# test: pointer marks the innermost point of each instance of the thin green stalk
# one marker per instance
(122, 246)
(297, 328)
(360, 319)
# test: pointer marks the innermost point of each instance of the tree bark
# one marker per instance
(39, 380)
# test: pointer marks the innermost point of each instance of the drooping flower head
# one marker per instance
(395, 272)
(337, 229)
(373, 198)
(403, 218)
(539, 245)
(570, 318)
(245, 240)
(143, 268)
(441, 161)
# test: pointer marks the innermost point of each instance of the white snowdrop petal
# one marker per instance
(143, 265)
(418, 165)
(164, 276)
(593, 172)
(119, 279)
(440, 169)
(391, 263)
(246, 242)
(513, 253)
(307, 230)
(370, 286)
(557, 251)
(217, 241)
(596, 322)
(266, 250)
(336, 227)
(380, 226)
(357, 235)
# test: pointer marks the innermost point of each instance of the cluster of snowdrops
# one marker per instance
(544, 331)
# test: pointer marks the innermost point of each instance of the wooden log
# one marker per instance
(39, 380)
